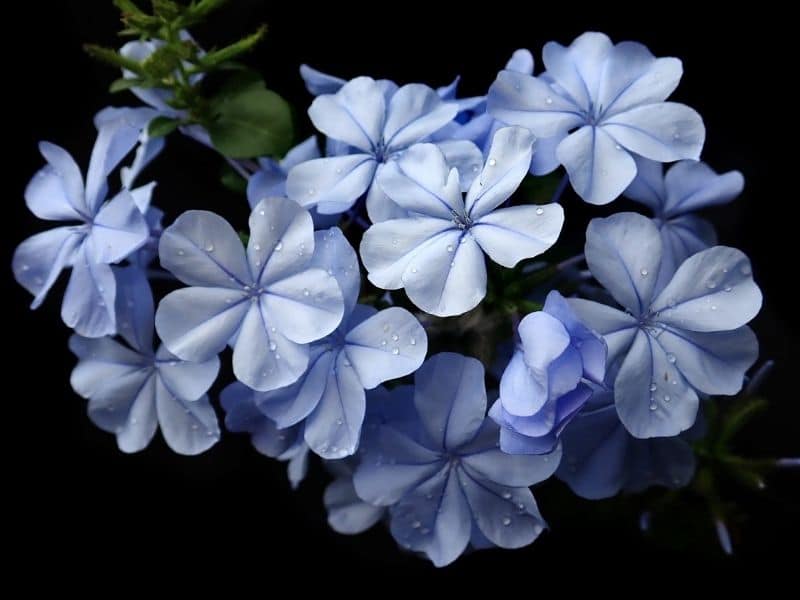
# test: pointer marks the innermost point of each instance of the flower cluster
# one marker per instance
(599, 386)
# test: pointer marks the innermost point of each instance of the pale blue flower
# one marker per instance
(547, 380)
(686, 187)
(599, 104)
(668, 343)
(437, 253)
(443, 475)
(101, 232)
(373, 122)
(269, 302)
(133, 390)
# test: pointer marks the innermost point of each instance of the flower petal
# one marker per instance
(386, 346)
(694, 185)
(665, 131)
(521, 61)
(681, 237)
(88, 305)
(334, 255)
(118, 229)
(183, 379)
(331, 184)
(115, 138)
(624, 253)
(648, 185)
(512, 234)
(379, 206)
(64, 167)
(102, 361)
(544, 159)
(265, 359)
(354, 114)
(599, 169)
(666, 411)
(421, 182)
(465, 157)
(189, 428)
(521, 390)
(579, 68)
(126, 407)
(39, 260)
(281, 239)
(450, 397)
(618, 328)
(711, 291)
(196, 323)
(508, 163)
(134, 308)
(201, 248)
(318, 83)
(347, 513)
(46, 196)
(519, 99)
(415, 111)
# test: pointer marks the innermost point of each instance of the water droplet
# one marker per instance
(195, 427)
(339, 422)
(540, 211)
(506, 521)
(449, 247)
(261, 212)
(548, 100)
(414, 270)
(277, 357)
(338, 170)
(618, 147)
(306, 292)
(713, 307)
(416, 524)
(258, 262)
(671, 357)
(347, 363)
(395, 337)
(676, 136)
(520, 508)
(394, 242)
(386, 328)
(272, 329)
(653, 406)
(256, 247)
(209, 247)
(311, 191)
(711, 284)
(383, 342)
(210, 433)
(745, 269)
(278, 246)
(643, 272)
(653, 387)
(413, 342)
(728, 288)
(666, 398)
(273, 346)
(507, 495)
(395, 350)
(475, 168)
(25, 267)
(492, 162)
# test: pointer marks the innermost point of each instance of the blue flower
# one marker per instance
(687, 186)
(598, 103)
(368, 348)
(373, 123)
(672, 342)
(437, 253)
(133, 390)
(442, 473)
(545, 383)
(243, 415)
(269, 302)
(600, 458)
(102, 232)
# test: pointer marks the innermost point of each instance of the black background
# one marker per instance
(229, 514)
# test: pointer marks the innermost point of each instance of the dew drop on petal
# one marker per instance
(261, 212)
(653, 406)
(273, 346)
(395, 350)
(492, 162)
(507, 495)
(653, 387)
(711, 284)
(386, 327)
(666, 398)
(395, 337)
(713, 307)
(449, 247)
(383, 342)
(416, 525)
(728, 288)
(181, 252)
(311, 191)
(506, 521)
(209, 247)
(548, 100)
(671, 357)
(306, 292)
(540, 211)
(256, 247)
(413, 342)
(278, 246)
(643, 272)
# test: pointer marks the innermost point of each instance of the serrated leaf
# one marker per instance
(161, 126)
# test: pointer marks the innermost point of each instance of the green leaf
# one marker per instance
(233, 181)
(216, 57)
(250, 120)
(161, 126)
(124, 83)
(200, 9)
(162, 62)
(114, 58)
(167, 9)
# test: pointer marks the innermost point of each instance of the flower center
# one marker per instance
(461, 221)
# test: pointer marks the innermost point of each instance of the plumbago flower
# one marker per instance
(686, 187)
(243, 415)
(375, 124)
(442, 474)
(546, 382)
(269, 301)
(132, 390)
(671, 342)
(600, 458)
(601, 102)
(102, 232)
(437, 253)
(368, 348)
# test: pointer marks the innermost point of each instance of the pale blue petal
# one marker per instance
(515, 443)
(508, 163)
(667, 411)
(302, 152)
(265, 359)
(268, 182)
(599, 168)
(623, 252)
(579, 68)
(544, 159)
(196, 323)
(512, 234)
(355, 114)
(318, 83)
(386, 346)
(118, 230)
(592, 350)
(334, 255)
(435, 519)
(115, 139)
(711, 291)
(147, 150)
(421, 182)
(102, 361)
(46, 196)
(126, 407)
(347, 513)
(297, 469)
(333, 429)
(665, 131)
(332, 184)
(39, 260)
(632, 76)
(522, 390)
(189, 428)
(142, 196)
(713, 363)
(521, 61)
(465, 157)
(447, 275)
(508, 517)
(617, 327)
(201, 248)
(694, 185)
(185, 380)
(648, 185)
(450, 397)
(387, 248)
(519, 99)
(156, 97)
(64, 167)
(415, 111)
(681, 237)
(134, 308)
(379, 206)
(88, 305)
(281, 239)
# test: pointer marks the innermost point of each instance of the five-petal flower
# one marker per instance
(437, 253)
